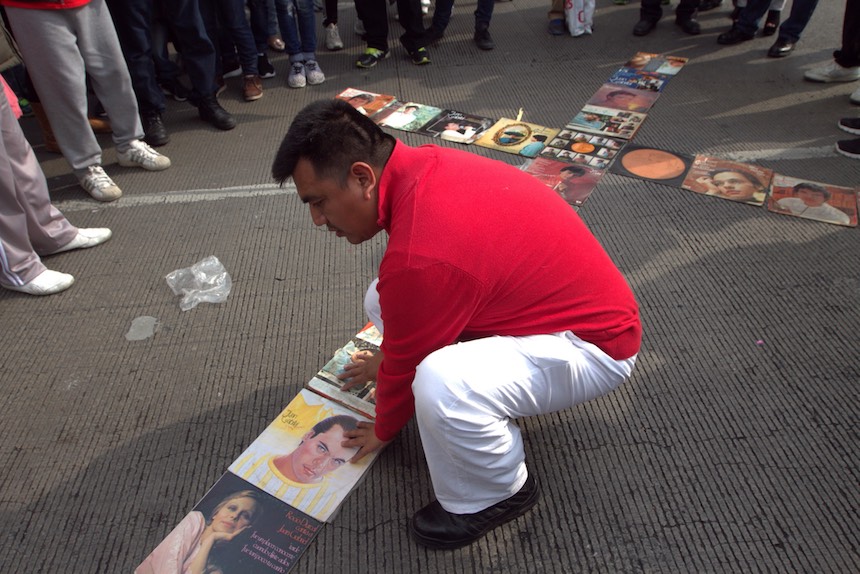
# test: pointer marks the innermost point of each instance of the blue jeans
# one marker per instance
(229, 16)
(298, 28)
(132, 22)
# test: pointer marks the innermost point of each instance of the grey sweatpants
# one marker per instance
(60, 49)
(29, 224)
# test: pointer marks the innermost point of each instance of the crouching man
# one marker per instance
(495, 300)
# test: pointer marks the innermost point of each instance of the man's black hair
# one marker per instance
(811, 187)
(347, 422)
(332, 135)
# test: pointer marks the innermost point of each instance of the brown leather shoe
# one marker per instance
(435, 527)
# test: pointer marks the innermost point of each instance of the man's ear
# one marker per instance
(365, 176)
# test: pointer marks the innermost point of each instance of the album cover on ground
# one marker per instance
(572, 146)
(661, 166)
(730, 180)
(455, 126)
(574, 183)
(513, 136)
(328, 383)
(236, 528)
(299, 458)
(625, 99)
(813, 200)
(608, 122)
(633, 78)
(406, 116)
(657, 63)
(366, 102)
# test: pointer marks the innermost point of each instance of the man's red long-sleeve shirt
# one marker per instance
(479, 248)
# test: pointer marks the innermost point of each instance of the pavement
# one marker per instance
(733, 448)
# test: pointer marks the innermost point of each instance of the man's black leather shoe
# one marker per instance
(690, 26)
(436, 528)
(780, 49)
(155, 134)
(734, 36)
(643, 27)
(211, 111)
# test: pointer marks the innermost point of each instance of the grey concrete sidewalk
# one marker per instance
(733, 448)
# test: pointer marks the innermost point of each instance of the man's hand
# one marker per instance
(362, 369)
(365, 439)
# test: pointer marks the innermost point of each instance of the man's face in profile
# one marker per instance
(319, 454)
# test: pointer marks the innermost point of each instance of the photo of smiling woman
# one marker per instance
(734, 181)
(188, 548)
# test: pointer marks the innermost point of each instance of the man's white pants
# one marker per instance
(467, 394)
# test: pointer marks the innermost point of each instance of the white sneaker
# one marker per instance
(425, 6)
(855, 97)
(833, 72)
(332, 38)
(141, 155)
(313, 73)
(85, 239)
(99, 185)
(46, 283)
(297, 78)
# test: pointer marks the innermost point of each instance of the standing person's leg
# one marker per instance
(556, 25)
(792, 28)
(332, 34)
(374, 16)
(258, 18)
(845, 66)
(441, 17)
(650, 13)
(235, 24)
(483, 15)
(848, 55)
(685, 17)
(50, 50)
(747, 24)
(798, 18)
(132, 20)
(28, 221)
(305, 19)
(413, 39)
(466, 396)
(198, 56)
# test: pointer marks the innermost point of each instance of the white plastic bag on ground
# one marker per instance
(204, 282)
(579, 16)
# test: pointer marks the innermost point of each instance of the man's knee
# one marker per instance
(430, 387)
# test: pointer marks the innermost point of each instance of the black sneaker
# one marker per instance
(175, 90)
(211, 111)
(850, 125)
(420, 56)
(155, 134)
(849, 148)
(435, 527)
(231, 69)
(371, 57)
(483, 40)
(265, 68)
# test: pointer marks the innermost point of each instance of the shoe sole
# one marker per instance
(847, 154)
(129, 163)
(267, 75)
(253, 98)
(828, 79)
(849, 130)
